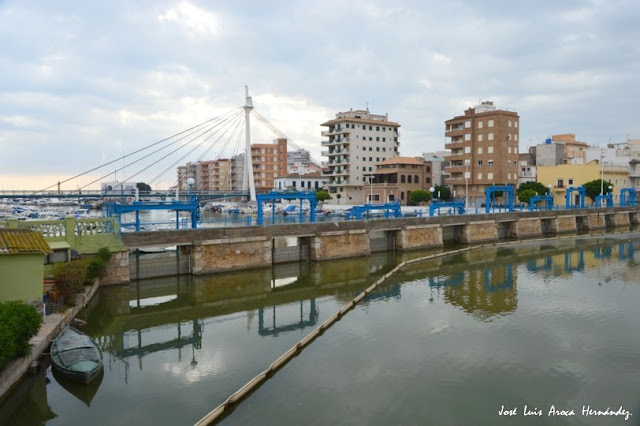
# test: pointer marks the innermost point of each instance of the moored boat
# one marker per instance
(76, 355)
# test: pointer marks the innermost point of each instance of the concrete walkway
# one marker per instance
(15, 371)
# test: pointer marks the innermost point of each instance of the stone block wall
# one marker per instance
(478, 232)
(526, 227)
(340, 244)
(596, 221)
(565, 224)
(231, 254)
(621, 219)
(117, 270)
(419, 236)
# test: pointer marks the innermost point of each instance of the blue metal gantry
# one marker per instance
(390, 210)
(453, 205)
(608, 199)
(272, 196)
(567, 197)
(627, 200)
(509, 192)
(191, 206)
(546, 199)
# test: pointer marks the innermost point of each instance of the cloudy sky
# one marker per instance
(83, 83)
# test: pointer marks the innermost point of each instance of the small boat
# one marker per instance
(76, 355)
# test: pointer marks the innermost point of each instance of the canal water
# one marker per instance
(547, 325)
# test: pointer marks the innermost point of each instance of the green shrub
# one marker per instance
(19, 322)
(71, 277)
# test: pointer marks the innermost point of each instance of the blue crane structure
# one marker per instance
(627, 200)
(567, 197)
(608, 200)
(546, 199)
(452, 205)
(272, 196)
(390, 210)
(509, 192)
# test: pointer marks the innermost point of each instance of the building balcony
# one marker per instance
(458, 169)
(334, 131)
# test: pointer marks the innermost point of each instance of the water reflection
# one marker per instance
(214, 333)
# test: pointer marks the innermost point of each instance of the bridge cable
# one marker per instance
(237, 120)
(138, 151)
(160, 149)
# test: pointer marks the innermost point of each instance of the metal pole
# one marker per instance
(466, 186)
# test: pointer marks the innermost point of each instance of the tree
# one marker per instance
(592, 188)
(338, 196)
(525, 195)
(445, 192)
(143, 187)
(419, 196)
(322, 195)
(539, 188)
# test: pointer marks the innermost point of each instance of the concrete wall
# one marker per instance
(223, 249)
(117, 270)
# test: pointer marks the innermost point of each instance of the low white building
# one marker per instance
(301, 182)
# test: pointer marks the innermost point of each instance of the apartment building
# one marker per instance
(561, 149)
(312, 181)
(484, 150)
(394, 179)
(269, 161)
(357, 141)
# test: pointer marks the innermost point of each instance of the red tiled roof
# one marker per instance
(22, 241)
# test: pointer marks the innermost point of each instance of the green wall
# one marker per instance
(21, 277)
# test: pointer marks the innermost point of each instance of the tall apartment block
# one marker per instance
(357, 141)
(484, 150)
(269, 162)
(212, 175)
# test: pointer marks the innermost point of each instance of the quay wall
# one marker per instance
(214, 250)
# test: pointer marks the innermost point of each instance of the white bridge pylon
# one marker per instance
(247, 176)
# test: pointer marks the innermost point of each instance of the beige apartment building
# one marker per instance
(394, 180)
(357, 141)
(484, 150)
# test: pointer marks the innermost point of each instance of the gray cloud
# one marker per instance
(83, 83)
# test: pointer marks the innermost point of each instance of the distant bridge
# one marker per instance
(94, 194)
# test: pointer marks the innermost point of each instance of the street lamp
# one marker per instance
(549, 186)
(432, 190)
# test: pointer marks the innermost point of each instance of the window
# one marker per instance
(479, 162)
(570, 181)
(467, 150)
(377, 128)
(415, 179)
(370, 159)
(479, 175)
(467, 124)
(409, 179)
(508, 175)
(364, 148)
(378, 149)
(490, 136)
(480, 150)
(377, 139)
(490, 123)
(479, 138)
(377, 159)
(479, 124)
(515, 148)
(490, 163)
(509, 123)
(490, 150)
(301, 184)
(467, 162)
(370, 149)
(515, 124)
(509, 150)
(370, 138)
(402, 179)
(560, 183)
(384, 139)
(490, 176)
(508, 163)
(467, 137)
(370, 127)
